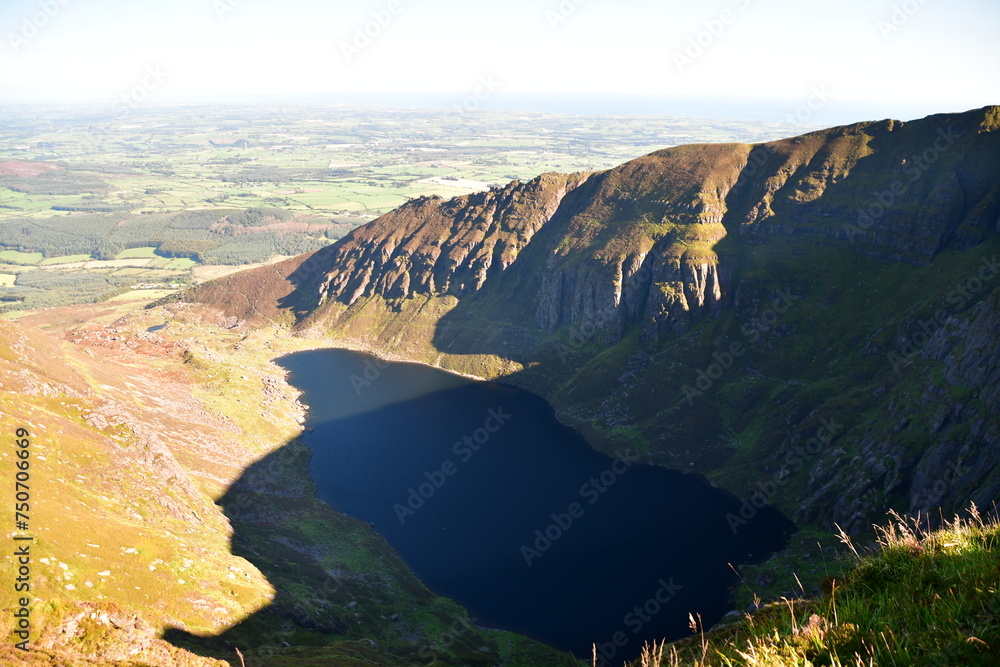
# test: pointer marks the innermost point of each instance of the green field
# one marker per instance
(7, 279)
(137, 253)
(16, 257)
(15, 268)
(181, 264)
(65, 259)
(323, 160)
(153, 187)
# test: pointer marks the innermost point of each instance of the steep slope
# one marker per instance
(173, 516)
(811, 321)
(428, 246)
(431, 246)
(651, 223)
(93, 447)
(948, 579)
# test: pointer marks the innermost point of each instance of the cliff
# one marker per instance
(714, 306)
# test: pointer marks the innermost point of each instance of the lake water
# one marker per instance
(496, 504)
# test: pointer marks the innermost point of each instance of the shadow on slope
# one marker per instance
(639, 537)
(337, 585)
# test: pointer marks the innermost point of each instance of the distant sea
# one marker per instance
(596, 105)
(807, 111)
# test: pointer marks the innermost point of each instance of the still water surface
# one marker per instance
(496, 504)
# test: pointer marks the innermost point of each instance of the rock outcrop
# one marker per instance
(436, 247)
(741, 294)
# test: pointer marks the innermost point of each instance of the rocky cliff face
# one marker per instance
(896, 191)
(611, 250)
(638, 250)
(638, 245)
(710, 305)
(436, 247)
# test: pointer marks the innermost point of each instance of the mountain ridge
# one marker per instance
(723, 310)
(815, 255)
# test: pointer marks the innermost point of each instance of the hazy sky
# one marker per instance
(896, 58)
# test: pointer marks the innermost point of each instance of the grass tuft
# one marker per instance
(918, 597)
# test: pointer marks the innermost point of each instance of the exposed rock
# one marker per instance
(660, 248)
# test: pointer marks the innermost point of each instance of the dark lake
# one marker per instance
(496, 504)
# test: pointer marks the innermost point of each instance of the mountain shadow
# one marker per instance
(641, 537)
(816, 317)
(341, 594)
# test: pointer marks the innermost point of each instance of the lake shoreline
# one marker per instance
(366, 463)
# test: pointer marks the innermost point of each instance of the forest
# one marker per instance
(45, 289)
(193, 234)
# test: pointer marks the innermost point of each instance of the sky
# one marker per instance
(881, 58)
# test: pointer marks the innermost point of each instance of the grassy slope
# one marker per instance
(824, 357)
(919, 598)
(138, 439)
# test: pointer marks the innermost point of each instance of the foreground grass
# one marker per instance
(919, 598)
